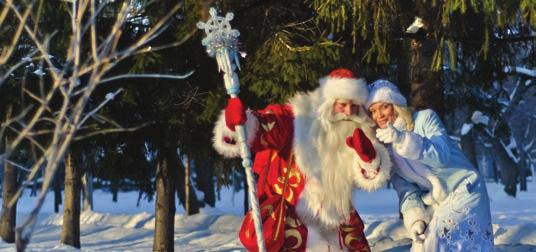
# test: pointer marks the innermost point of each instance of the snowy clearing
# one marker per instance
(122, 226)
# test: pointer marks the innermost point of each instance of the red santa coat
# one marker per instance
(272, 137)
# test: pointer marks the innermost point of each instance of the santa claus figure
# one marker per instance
(309, 156)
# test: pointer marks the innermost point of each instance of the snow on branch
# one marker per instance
(479, 118)
(156, 76)
(531, 73)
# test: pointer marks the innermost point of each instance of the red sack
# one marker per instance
(273, 215)
(352, 235)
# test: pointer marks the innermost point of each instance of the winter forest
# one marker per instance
(107, 110)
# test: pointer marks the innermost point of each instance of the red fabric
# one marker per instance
(276, 128)
(282, 230)
(279, 186)
(352, 235)
(235, 113)
(280, 183)
(341, 73)
(271, 209)
(272, 170)
(362, 145)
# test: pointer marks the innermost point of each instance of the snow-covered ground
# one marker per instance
(122, 226)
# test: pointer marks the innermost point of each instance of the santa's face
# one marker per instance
(382, 113)
(346, 107)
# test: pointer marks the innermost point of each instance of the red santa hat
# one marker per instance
(343, 84)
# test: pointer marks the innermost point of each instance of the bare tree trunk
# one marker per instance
(187, 184)
(87, 186)
(70, 233)
(509, 169)
(165, 205)
(191, 200)
(523, 169)
(426, 86)
(467, 143)
(9, 215)
(114, 189)
(205, 180)
(57, 191)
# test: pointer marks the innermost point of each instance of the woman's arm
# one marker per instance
(431, 148)
(411, 205)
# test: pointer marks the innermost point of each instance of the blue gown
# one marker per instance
(437, 184)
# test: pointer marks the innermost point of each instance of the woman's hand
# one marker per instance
(389, 134)
(417, 231)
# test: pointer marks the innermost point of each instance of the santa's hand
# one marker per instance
(362, 145)
(389, 134)
(235, 113)
(417, 231)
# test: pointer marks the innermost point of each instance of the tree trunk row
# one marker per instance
(9, 215)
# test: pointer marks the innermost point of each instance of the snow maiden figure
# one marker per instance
(443, 199)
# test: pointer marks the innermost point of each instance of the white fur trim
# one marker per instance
(439, 189)
(318, 241)
(416, 214)
(428, 199)
(385, 91)
(309, 207)
(379, 180)
(344, 88)
(304, 107)
(370, 166)
(221, 131)
(410, 146)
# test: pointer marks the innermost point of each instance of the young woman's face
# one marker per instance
(382, 113)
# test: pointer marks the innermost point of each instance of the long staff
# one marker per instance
(221, 43)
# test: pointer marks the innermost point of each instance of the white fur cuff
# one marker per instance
(371, 166)
(368, 177)
(416, 214)
(231, 148)
(410, 147)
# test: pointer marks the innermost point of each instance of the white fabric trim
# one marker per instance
(439, 189)
(221, 131)
(304, 107)
(416, 214)
(369, 166)
(309, 206)
(410, 146)
(344, 88)
(373, 183)
(385, 91)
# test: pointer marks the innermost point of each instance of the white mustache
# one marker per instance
(344, 117)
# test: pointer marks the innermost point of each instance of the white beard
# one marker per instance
(336, 167)
(324, 159)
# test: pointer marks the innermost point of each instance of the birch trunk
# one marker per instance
(70, 233)
(87, 186)
(165, 205)
(9, 215)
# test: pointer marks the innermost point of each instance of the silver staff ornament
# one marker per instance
(221, 43)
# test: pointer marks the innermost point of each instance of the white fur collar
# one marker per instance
(304, 106)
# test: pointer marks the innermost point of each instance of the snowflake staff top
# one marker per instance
(222, 43)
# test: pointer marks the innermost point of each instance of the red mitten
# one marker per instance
(235, 113)
(362, 145)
